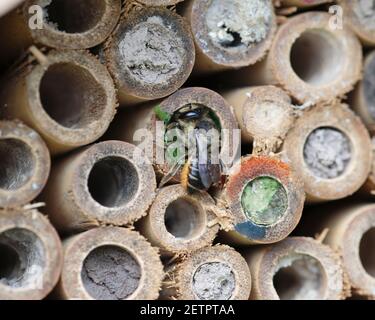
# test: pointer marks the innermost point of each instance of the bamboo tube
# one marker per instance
(179, 222)
(296, 268)
(70, 24)
(230, 33)
(304, 3)
(363, 99)
(108, 183)
(110, 263)
(66, 24)
(351, 233)
(210, 273)
(360, 16)
(69, 98)
(264, 113)
(330, 149)
(31, 255)
(125, 127)
(150, 55)
(310, 60)
(266, 200)
(25, 164)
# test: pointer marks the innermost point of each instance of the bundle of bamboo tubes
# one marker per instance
(187, 149)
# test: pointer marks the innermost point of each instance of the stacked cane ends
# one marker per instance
(97, 202)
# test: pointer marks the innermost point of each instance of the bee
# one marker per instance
(198, 173)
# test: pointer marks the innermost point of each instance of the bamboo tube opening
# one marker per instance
(69, 98)
(231, 34)
(299, 277)
(31, 255)
(214, 281)
(150, 55)
(179, 222)
(72, 96)
(17, 164)
(75, 25)
(184, 219)
(25, 164)
(327, 152)
(110, 263)
(297, 268)
(316, 57)
(266, 199)
(113, 181)
(311, 60)
(72, 17)
(110, 273)
(24, 265)
(366, 251)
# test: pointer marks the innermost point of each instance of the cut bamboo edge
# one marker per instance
(68, 97)
(329, 68)
(145, 118)
(106, 183)
(110, 263)
(231, 33)
(360, 16)
(331, 150)
(210, 273)
(270, 219)
(296, 268)
(351, 234)
(25, 164)
(179, 222)
(152, 67)
(31, 255)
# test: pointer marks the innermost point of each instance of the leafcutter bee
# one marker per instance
(198, 171)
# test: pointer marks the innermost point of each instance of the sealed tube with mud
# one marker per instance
(309, 59)
(331, 150)
(266, 199)
(150, 54)
(363, 98)
(360, 16)
(110, 182)
(211, 273)
(25, 164)
(296, 268)
(69, 98)
(31, 255)
(265, 114)
(230, 33)
(155, 119)
(110, 263)
(179, 222)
